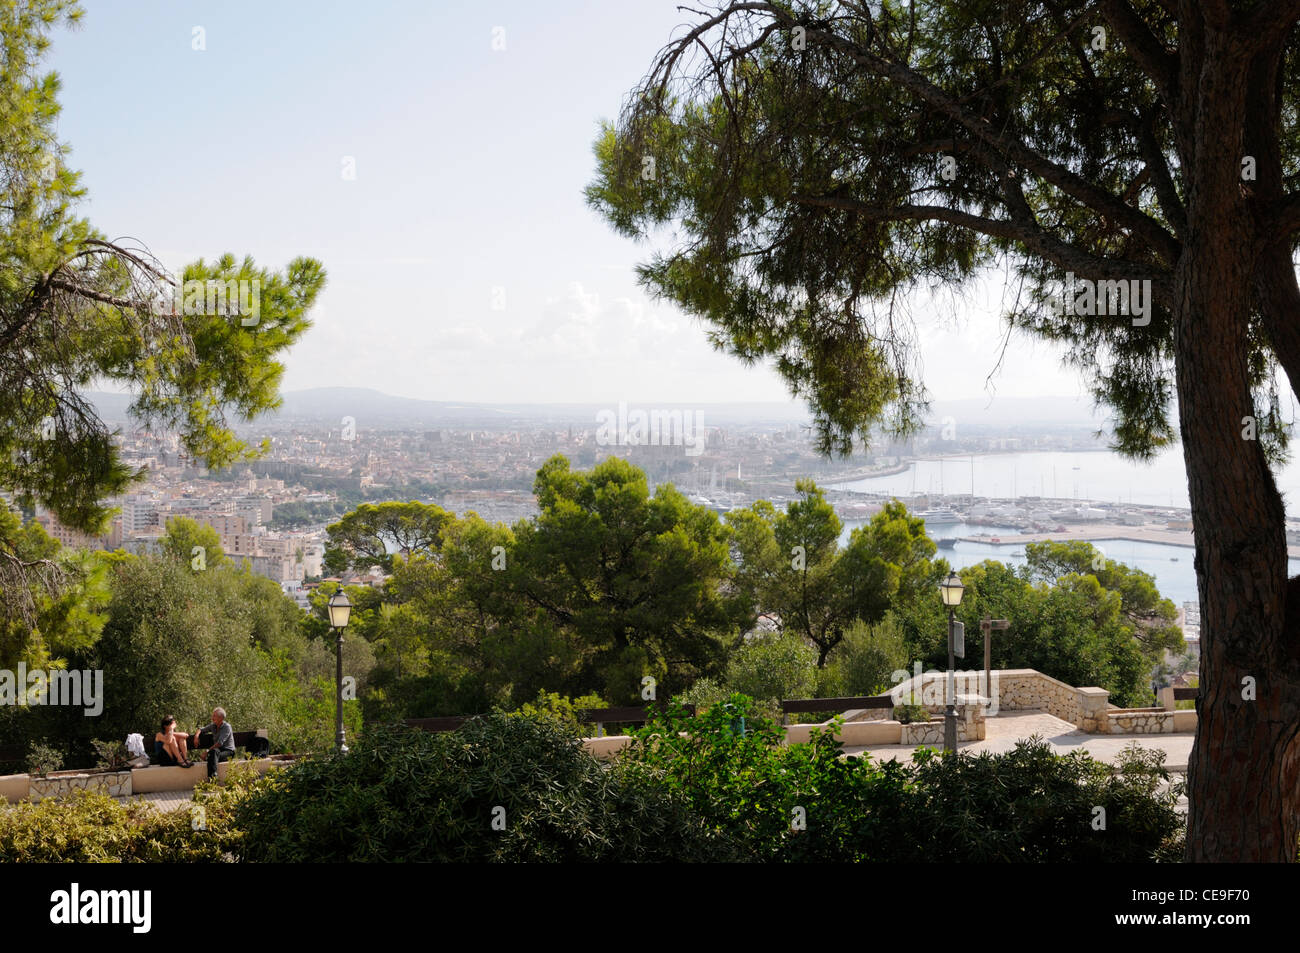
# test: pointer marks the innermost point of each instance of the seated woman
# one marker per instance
(169, 745)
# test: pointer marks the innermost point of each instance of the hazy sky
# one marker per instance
(469, 169)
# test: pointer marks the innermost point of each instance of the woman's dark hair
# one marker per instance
(167, 721)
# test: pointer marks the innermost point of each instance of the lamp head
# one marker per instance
(340, 609)
(951, 590)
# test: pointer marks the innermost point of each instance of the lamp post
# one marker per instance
(950, 590)
(339, 608)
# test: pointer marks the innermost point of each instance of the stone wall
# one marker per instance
(970, 724)
(19, 787)
(931, 690)
(114, 784)
(1146, 722)
(1025, 689)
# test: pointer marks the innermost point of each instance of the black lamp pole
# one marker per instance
(950, 714)
(340, 608)
(951, 591)
(340, 742)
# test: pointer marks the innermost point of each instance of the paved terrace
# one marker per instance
(1004, 730)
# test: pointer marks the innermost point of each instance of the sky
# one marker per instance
(463, 261)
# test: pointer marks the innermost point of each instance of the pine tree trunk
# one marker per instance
(1243, 798)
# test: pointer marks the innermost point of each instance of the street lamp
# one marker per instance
(340, 609)
(950, 590)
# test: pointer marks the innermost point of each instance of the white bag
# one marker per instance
(135, 745)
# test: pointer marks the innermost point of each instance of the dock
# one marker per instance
(1091, 533)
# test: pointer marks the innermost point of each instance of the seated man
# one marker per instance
(223, 740)
(169, 745)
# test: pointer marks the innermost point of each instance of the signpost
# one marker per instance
(988, 625)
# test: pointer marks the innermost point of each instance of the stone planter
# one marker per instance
(931, 732)
(1141, 721)
(63, 783)
(923, 733)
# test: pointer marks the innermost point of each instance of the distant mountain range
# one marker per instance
(375, 408)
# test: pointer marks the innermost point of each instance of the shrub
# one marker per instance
(713, 794)
(1029, 804)
(90, 827)
(564, 710)
(408, 795)
(756, 789)
(209, 836)
(42, 759)
(906, 714)
(87, 828)
(110, 755)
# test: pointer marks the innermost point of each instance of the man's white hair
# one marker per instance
(221, 712)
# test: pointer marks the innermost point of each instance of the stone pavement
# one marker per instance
(163, 800)
(1004, 730)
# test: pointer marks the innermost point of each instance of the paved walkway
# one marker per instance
(163, 800)
(1004, 730)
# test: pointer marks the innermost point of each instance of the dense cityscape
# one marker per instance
(273, 512)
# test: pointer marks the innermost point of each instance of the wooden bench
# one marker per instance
(634, 714)
(254, 742)
(800, 705)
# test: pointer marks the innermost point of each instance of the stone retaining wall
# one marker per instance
(20, 787)
(114, 784)
(1025, 688)
(1140, 722)
(970, 727)
(1022, 689)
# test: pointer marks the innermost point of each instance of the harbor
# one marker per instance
(1093, 533)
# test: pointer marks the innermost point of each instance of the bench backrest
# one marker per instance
(242, 739)
(795, 705)
(248, 740)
